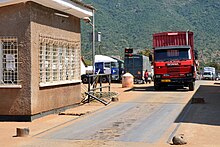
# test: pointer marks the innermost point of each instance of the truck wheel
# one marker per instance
(191, 86)
(135, 81)
(104, 80)
(85, 80)
(157, 88)
(141, 82)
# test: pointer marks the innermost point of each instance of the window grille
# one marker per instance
(59, 60)
(9, 61)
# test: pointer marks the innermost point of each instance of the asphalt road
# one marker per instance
(145, 118)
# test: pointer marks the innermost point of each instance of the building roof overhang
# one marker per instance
(73, 7)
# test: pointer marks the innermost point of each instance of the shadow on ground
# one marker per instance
(206, 111)
(151, 88)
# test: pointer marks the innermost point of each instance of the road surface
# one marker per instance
(148, 117)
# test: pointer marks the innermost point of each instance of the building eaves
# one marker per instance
(83, 4)
(72, 7)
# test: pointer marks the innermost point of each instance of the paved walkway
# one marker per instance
(38, 126)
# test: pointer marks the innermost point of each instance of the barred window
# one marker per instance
(9, 61)
(59, 60)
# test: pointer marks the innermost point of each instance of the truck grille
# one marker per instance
(173, 71)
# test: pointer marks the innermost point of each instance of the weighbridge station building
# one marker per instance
(40, 54)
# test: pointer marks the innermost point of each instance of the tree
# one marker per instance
(214, 64)
(145, 52)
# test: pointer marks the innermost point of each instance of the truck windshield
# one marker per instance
(114, 64)
(172, 54)
(107, 65)
(207, 73)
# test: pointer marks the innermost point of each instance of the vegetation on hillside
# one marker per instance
(129, 23)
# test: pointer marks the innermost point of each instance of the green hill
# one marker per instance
(129, 23)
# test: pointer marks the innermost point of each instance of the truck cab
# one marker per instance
(209, 73)
(109, 65)
(174, 60)
(108, 68)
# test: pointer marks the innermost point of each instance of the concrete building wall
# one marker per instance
(44, 21)
(15, 22)
(27, 21)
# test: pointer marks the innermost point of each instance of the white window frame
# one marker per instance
(1, 62)
(59, 61)
(9, 62)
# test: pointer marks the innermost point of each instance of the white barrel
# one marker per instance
(127, 80)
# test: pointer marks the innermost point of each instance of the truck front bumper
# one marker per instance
(174, 81)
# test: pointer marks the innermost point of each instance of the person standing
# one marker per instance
(146, 75)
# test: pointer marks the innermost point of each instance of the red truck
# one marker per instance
(174, 60)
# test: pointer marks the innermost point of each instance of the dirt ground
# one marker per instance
(200, 124)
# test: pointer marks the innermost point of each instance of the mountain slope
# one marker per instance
(129, 23)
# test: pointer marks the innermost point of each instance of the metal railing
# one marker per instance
(93, 81)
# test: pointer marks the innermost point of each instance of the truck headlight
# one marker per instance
(189, 74)
(158, 76)
(166, 75)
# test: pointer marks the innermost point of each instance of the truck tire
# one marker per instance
(104, 79)
(135, 81)
(85, 80)
(157, 88)
(191, 86)
(141, 82)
